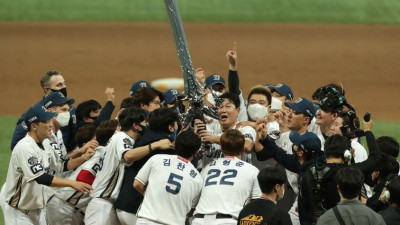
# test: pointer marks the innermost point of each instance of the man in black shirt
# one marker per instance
(264, 210)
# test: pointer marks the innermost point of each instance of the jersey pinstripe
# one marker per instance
(109, 180)
(28, 162)
(75, 198)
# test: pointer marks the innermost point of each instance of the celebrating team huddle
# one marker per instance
(77, 165)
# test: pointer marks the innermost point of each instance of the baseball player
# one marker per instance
(170, 183)
(228, 184)
(60, 163)
(26, 177)
(228, 113)
(119, 153)
(67, 206)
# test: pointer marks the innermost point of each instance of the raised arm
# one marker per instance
(233, 77)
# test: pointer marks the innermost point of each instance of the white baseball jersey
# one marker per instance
(93, 165)
(173, 188)
(28, 162)
(56, 145)
(109, 180)
(228, 183)
(360, 154)
(215, 150)
(243, 109)
(316, 129)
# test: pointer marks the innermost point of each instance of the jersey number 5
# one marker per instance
(175, 183)
(215, 173)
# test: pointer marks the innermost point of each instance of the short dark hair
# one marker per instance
(262, 90)
(161, 118)
(393, 187)
(335, 146)
(105, 131)
(45, 80)
(234, 98)
(84, 134)
(129, 116)
(187, 143)
(269, 177)
(146, 95)
(388, 145)
(84, 109)
(350, 180)
(386, 165)
(232, 142)
(126, 102)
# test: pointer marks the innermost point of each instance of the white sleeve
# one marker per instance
(196, 199)
(122, 146)
(94, 164)
(243, 110)
(57, 157)
(255, 190)
(29, 163)
(144, 172)
(249, 133)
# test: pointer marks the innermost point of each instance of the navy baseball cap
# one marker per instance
(214, 79)
(308, 141)
(170, 96)
(137, 85)
(302, 105)
(283, 89)
(56, 98)
(35, 114)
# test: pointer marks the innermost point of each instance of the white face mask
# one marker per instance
(276, 104)
(257, 111)
(63, 119)
(210, 97)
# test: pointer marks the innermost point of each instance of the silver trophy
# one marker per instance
(192, 88)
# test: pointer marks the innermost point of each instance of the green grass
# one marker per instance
(282, 11)
(7, 124)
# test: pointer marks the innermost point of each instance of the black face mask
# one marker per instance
(93, 118)
(144, 129)
(62, 90)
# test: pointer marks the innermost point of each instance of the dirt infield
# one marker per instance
(93, 56)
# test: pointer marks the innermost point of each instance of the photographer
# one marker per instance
(336, 153)
(350, 210)
(391, 215)
(387, 166)
(306, 150)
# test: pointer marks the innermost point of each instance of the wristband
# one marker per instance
(150, 149)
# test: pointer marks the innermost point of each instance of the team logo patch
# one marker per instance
(298, 100)
(33, 160)
(251, 220)
(248, 136)
(36, 168)
(127, 143)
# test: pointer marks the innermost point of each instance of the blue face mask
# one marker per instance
(173, 135)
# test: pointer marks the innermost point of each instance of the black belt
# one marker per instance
(218, 216)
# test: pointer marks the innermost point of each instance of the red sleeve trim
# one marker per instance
(85, 176)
